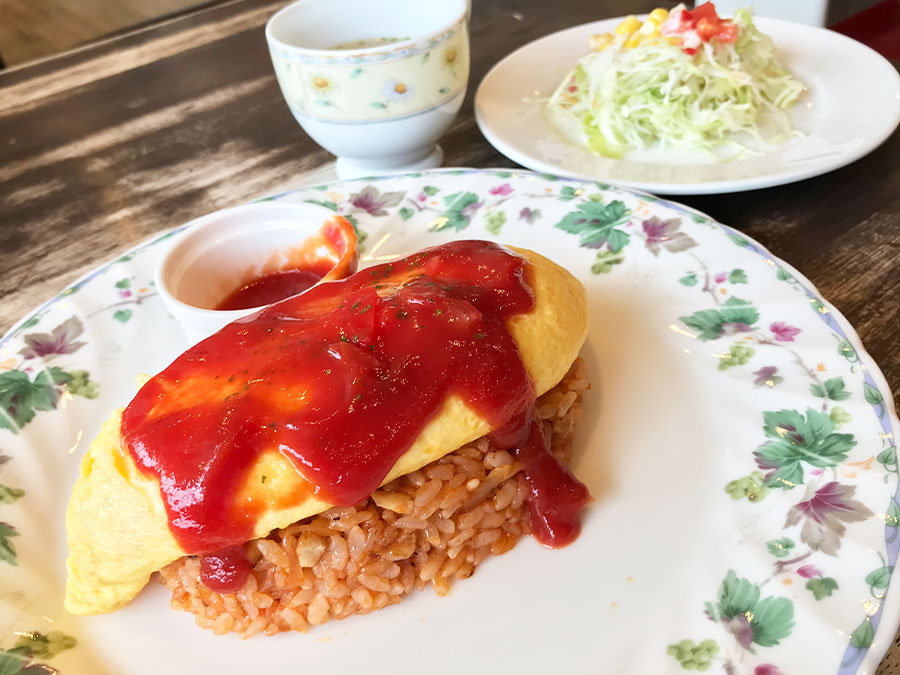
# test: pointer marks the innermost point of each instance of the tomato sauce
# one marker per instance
(556, 497)
(342, 379)
(269, 288)
(225, 571)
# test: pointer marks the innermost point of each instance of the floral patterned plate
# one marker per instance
(738, 443)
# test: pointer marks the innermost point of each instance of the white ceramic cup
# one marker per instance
(221, 251)
(379, 106)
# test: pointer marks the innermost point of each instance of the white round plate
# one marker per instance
(851, 106)
(713, 365)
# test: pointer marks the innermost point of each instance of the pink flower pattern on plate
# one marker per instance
(809, 571)
(767, 669)
(783, 332)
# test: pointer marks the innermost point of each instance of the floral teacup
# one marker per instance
(375, 83)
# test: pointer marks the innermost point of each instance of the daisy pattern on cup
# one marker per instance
(322, 86)
(396, 91)
(450, 58)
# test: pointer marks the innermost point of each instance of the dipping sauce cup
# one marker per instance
(247, 252)
(375, 83)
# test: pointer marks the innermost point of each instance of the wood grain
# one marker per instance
(104, 146)
(32, 29)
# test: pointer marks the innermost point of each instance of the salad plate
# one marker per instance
(737, 440)
(850, 106)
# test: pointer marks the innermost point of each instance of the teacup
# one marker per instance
(375, 83)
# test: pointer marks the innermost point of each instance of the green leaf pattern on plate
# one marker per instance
(7, 549)
(10, 494)
(822, 588)
(32, 645)
(780, 548)
(747, 616)
(832, 389)
(797, 439)
(734, 316)
(596, 225)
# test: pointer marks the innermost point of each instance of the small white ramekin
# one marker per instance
(222, 251)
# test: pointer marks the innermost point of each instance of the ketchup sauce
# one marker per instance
(269, 288)
(341, 380)
(225, 571)
(556, 497)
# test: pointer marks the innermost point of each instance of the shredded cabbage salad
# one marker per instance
(681, 90)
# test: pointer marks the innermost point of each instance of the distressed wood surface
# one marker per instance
(32, 29)
(103, 146)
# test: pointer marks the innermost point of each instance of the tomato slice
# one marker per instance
(705, 11)
(684, 22)
(707, 29)
(705, 22)
(727, 32)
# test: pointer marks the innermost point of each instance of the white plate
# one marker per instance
(668, 427)
(852, 105)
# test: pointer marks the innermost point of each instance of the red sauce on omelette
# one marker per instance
(342, 379)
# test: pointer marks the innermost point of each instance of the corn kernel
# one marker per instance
(673, 40)
(659, 15)
(649, 27)
(634, 40)
(628, 26)
(601, 41)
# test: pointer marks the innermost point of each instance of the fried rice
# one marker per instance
(432, 526)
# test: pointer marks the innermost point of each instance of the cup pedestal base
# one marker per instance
(348, 168)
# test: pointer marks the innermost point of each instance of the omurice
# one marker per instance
(332, 452)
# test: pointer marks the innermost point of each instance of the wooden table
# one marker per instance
(103, 146)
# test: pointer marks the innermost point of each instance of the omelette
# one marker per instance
(120, 523)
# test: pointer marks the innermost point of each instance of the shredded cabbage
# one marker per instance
(624, 99)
